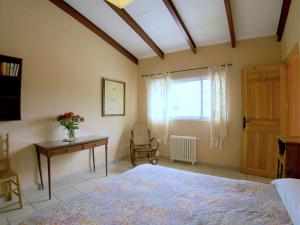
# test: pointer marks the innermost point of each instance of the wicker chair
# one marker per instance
(9, 180)
(142, 146)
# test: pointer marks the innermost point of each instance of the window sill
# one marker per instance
(200, 119)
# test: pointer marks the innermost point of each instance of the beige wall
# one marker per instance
(291, 37)
(260, 51)
(63, 63)
(292, 29)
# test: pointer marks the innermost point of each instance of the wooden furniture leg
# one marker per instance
(278, 164)
(19, 193)
(106, 160)
(49, 176)
(93, 151)
(9, 188)
(39, 165)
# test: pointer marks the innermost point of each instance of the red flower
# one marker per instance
(69, 116)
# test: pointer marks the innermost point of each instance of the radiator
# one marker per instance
(183, 148)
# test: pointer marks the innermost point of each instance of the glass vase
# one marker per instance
(71, 135)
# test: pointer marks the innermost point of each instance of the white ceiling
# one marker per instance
(205, 19)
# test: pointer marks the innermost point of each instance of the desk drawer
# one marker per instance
(61, 151)
(94, 144)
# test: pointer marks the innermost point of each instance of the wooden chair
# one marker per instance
(9, 180)
(142, 146)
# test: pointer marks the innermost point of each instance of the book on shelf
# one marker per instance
(17, 70)
(11, 66)
(3, 68)
(9, 69)
(14, 68)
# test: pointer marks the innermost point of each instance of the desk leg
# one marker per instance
(106, 160)
(93, 152)
(278, 164)
(49, 176)
(39, 166)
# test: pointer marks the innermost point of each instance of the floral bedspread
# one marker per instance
(162, 196)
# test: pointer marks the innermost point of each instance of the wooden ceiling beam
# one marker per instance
(134, 25)
(91, 26)
(283, 17)
(172, 9)
(230, 22)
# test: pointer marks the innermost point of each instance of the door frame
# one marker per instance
(293, 53)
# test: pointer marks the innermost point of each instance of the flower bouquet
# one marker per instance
(70, 122)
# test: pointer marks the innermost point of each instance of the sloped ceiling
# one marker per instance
(205, 19)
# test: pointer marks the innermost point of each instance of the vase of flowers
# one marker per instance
(70, 122)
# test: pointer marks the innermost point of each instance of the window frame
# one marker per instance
(192, 118)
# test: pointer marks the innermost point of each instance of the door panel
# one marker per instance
(262, 90)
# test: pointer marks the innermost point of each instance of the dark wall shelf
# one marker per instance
(10, 90)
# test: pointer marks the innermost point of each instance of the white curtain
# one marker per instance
(218, 120)
(157, 102)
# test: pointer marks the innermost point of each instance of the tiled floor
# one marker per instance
(68, 187)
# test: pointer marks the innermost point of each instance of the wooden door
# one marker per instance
(264, 110)
(293, 76)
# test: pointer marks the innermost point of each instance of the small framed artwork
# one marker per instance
(113, 97)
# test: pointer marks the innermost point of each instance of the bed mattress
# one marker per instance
(151, 194)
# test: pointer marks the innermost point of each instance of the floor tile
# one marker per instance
(65, 193)
(84, 186)
(3, 220)
(235, 174)
(125, 163)
(33, 196)
(93, 175)
(98, 181)
(259, 179)
(18, 215)
(220, 172)
(11, 205)
(66, 181)
(205, 170)
(119, 168)
(44, 202)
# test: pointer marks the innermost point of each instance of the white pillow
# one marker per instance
(289, 192)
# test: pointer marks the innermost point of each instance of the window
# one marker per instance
(190, 99)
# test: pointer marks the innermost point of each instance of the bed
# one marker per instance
(151, 194)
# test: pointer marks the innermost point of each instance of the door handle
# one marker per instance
(244, 122)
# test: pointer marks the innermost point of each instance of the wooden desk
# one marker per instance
(54, 148)
(289, 157)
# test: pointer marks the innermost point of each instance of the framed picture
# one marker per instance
(113, 97)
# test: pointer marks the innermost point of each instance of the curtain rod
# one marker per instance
(177, 71)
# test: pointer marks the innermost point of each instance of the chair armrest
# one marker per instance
(154, 143)
(131, 144)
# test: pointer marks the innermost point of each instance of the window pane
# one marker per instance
(186, 99)
(206, 98)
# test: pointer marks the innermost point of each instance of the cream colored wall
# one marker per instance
(292, 29)
(63, 63)
(291, 37)
(260, 51)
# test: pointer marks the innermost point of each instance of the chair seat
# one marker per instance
(6, 174)
(144, 149)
